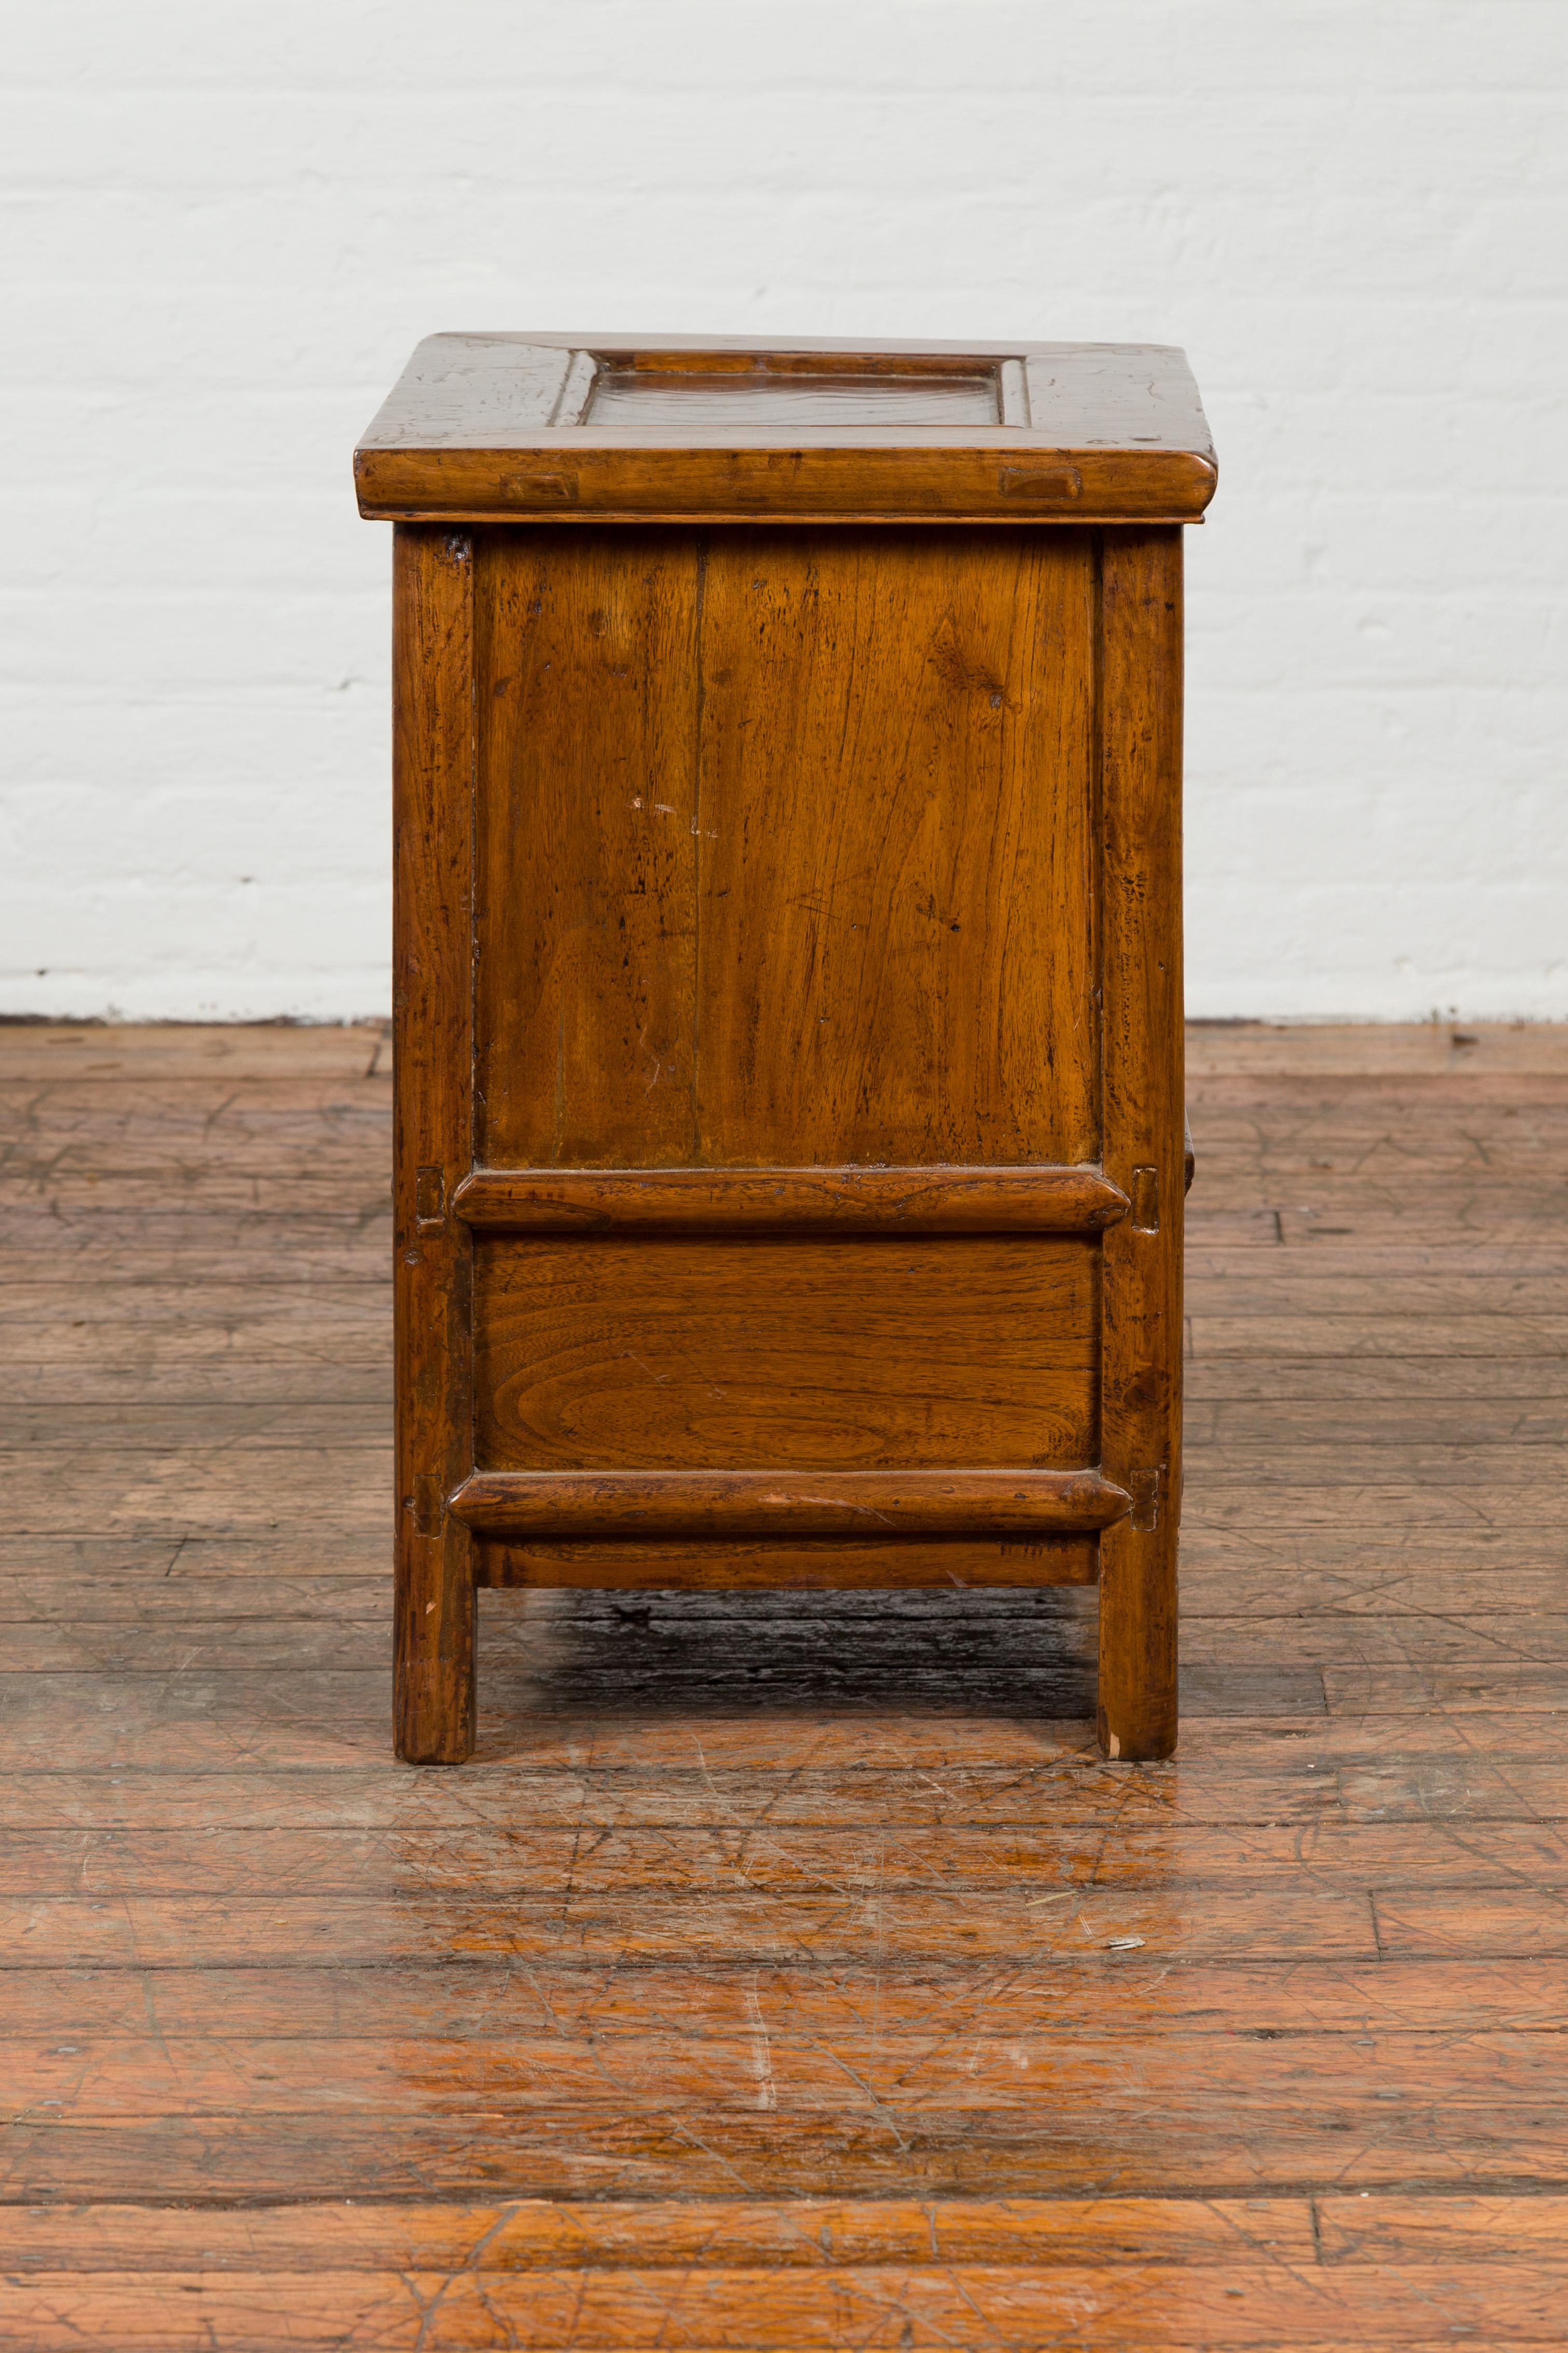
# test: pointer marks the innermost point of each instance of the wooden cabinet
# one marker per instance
(788, 987)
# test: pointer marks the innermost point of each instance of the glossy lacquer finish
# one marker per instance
(785, 1969)
(789, 1133)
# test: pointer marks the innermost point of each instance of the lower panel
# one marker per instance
(857, 1353)
(1058, 1560)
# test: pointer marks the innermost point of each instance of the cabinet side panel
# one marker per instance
(893, 819)
(433, 766)
(585, 645)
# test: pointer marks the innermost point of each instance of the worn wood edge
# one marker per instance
(761, 1503)
(801, 1200)
(614, 343)
(862, 517)
(557, 474)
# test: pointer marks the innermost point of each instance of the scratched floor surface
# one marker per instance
(785, 1971)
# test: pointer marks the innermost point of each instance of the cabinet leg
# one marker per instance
(433, 1698)
(1137, 1710)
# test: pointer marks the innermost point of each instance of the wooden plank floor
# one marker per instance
(785, 1971)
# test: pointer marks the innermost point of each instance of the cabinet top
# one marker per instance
(684, 429)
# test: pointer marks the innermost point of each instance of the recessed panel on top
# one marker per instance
(694, 399)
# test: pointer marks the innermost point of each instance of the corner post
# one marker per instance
(433, 800)
(1144, 1140)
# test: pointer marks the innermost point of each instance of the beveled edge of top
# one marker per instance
(491, 426)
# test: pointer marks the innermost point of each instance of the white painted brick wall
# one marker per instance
(227, 224)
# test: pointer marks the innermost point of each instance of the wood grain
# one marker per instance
(829, 1565)
(751, 1504)
(433, 1146)
(841, 1354)
(661, 725)
(1239, 2305)
(487, 2000)
(586, 692)
(1144, 1149)
(895, 806)
(814, 2234)
(675, 1851)
(533, 426)
(922, 1200)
